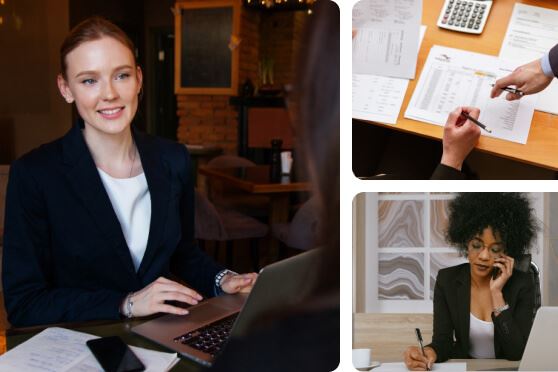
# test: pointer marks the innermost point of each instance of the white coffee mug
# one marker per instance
(362, 358)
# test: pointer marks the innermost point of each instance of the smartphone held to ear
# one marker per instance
(114, 355)
(496, 272)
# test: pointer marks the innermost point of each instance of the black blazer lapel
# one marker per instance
(158, 181)
(463, 284)
(84, 180)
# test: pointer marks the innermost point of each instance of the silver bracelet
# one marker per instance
(128, 306)
(219, 277)
(498, 310)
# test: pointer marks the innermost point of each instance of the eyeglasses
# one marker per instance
(495, 250)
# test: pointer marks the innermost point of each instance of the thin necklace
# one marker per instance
(133, 160)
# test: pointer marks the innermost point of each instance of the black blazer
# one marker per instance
(452, 300)
(65, 256)
(443, 172)
(553, 57)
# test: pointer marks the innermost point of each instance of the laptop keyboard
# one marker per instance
(211, 337)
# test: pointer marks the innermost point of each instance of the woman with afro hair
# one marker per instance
(483, 308)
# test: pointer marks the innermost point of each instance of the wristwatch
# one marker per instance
(498, 310)
(128, 306)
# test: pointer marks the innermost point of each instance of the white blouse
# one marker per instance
(131, 202)
(481, 338)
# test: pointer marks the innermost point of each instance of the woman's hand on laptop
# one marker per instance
(151, 299)
(238, 283)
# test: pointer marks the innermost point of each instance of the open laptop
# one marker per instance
(540, 351)
(201, 334)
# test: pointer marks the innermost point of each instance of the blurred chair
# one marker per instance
(214, 223)
(250, 204)
(302, 232)
(525, 264)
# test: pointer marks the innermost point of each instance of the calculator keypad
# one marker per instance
(464, 15)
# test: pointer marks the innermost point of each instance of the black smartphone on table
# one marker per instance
(114, 355)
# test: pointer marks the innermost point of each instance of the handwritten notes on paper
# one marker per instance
(60, 350)
(531, 33)
(385, 43)
(453, 78)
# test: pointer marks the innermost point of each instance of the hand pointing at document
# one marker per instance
(529, 79)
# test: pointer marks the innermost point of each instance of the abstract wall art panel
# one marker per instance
(438, 222)
(400, 223)
(401, 276)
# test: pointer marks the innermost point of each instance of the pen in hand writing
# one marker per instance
(512, 90)
(468, 117)
(419, 338)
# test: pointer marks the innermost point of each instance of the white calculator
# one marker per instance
(465, 15)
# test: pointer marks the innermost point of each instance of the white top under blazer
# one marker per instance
(131, 202)
(481, 338)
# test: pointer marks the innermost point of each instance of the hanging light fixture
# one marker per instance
(276, 5)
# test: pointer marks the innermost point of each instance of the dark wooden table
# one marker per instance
(15, 337)
(257, 180)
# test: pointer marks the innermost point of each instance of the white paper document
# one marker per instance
(385, 43)
(452, 78)
(532, 32)
(379, 98)
(441, 367)
(60, 350)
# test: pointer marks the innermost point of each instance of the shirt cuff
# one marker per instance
(545, 64)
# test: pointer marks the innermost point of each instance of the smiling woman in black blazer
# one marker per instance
(475, 314)
(99, 220)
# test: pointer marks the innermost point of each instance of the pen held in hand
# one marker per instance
(511, 90)
(419, 338)
(466, 116)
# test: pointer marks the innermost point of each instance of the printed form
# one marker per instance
(453, 78)
(386, 41)
(379, 98)
(532, 32)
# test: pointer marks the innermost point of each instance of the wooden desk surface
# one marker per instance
(255, 179)
(388, 335)
(542, 145)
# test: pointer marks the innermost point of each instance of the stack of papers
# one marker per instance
(532, 32)
(386, 41)
(59, 349)
(379, 98)
(452, 78)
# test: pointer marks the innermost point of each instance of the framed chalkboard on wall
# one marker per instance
(206, 45)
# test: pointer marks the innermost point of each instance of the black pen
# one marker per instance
(466, 116)
(512, 90)
(419, 338)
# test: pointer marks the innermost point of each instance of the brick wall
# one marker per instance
(209, 119)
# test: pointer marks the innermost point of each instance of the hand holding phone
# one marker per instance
(496, 272)
(114, 355)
